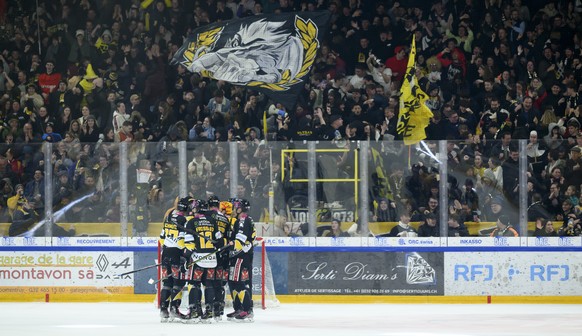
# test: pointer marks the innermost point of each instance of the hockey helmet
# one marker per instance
(199, 205)
(241, 204)
(213, 201)
(183, 204)
(226, 208)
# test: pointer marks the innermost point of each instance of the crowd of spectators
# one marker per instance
(86, 75)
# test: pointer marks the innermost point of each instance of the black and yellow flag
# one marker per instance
(269, 53)
(414, 114)
(381, 184)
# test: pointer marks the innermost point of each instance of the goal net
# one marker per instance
(262, 278)
(263, 284)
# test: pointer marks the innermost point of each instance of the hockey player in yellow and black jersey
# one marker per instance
(241, 238)
(203, 237)
(221, 275)
(172, 241)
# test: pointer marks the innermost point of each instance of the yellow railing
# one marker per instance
(355, 179)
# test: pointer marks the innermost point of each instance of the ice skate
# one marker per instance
(245, 317)
(193, 317)
(208, 316)
(218, 311)
(164, 315)
(174, 315)
(182, 317)
(189, 318)
(232, 316)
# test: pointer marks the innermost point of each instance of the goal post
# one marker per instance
(263, 284)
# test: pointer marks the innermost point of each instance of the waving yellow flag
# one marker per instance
(414, 114)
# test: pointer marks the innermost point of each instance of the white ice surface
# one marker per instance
(127, 319)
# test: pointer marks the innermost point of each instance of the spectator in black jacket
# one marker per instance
(385, 211)
(456, 227)
(430, 227)
(537, 209)
(573, 169)
(544, 228)
(333, 230)
(23, 218)
(511, 174)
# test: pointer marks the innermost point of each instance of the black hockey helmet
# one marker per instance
(198, 205)
(183, 204)
(194, 204)
(202, 206)
(241, 204)
(213, 201)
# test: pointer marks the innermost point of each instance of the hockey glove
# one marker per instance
(240, 247)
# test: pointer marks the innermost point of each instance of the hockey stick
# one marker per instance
(155, 282)
(152, 266)
(140, 269)
(160, 264)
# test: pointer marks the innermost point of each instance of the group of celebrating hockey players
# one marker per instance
(207, 244)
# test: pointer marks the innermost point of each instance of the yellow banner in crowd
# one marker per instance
(382, 183)
(414, 114)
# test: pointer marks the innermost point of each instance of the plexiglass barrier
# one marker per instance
(339, 188)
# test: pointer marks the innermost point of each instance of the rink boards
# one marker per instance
(415, 270)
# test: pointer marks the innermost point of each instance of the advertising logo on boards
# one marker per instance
(374, 273)
(8, 241)
(102, 262)
(546, 272)
(63, 241)
(566, 241)
(416, 242)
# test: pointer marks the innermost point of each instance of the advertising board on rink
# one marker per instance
(417, 241)
(65, 272)
(513, 273)
(365, 273)
(554, 241)
(484, 241)
(290, 241)
(24, 241)
(87, 241)
(339, 241)
(142, 241)
(404, 241)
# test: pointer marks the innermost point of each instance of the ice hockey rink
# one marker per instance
(142, 319)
